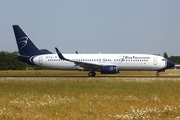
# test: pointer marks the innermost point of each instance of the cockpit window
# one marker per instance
(163, 59)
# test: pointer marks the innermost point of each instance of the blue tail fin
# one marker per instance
(25, 45)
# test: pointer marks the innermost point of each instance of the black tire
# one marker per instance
(91, 74)
(157, 74)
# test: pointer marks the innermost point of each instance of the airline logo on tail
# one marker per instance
(23, 42)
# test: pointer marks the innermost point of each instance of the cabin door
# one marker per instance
(40, 60)
(155, 60)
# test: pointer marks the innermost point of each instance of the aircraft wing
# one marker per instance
(85, 65)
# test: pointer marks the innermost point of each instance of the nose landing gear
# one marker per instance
(157, 74)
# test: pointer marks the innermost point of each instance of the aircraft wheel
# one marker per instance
(92, 74)
(157, 74)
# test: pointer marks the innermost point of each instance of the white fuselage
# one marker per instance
(139, 62)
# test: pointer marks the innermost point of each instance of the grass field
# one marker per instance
(90, 98)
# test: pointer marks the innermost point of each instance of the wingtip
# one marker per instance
(57, 50)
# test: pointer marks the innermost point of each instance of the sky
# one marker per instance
(93, 26)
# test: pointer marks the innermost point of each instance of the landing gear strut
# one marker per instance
(92, 74)
(157, 74)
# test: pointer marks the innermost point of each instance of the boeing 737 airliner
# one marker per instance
(103, 63)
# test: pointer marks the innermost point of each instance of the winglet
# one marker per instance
(60, 55)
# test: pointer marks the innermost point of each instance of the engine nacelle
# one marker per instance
(109, 70)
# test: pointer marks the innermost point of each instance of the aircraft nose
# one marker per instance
(170, 64)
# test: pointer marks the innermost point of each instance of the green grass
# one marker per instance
(89, 98)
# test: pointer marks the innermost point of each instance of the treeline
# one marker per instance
(9, 61)
(175, 59)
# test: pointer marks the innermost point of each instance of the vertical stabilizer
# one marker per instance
(25, 45)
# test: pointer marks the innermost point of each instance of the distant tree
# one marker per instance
(165, 55)
(175, 59)
(3, 63)
(15, 53)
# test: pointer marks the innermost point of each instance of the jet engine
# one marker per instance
(109, 70)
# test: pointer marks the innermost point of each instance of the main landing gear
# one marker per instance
(157, 74)
(92, 74)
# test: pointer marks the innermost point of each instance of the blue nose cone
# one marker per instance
(170, 64)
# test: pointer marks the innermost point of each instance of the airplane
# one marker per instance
(103, 63)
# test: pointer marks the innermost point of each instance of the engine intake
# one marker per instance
(109, 70)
